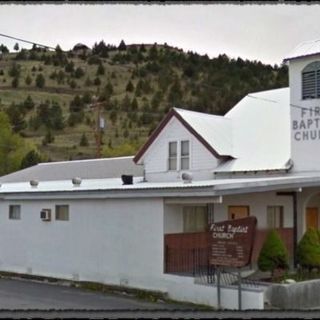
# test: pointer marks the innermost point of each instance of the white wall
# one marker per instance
(257, 203)
(109, 241)
(155, 160)
(305, 152)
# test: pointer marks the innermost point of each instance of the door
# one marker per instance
(312, 218)
(238, 212)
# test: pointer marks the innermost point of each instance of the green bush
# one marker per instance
(273, 254)
(308, 250)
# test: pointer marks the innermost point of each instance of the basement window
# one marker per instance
(14, 212)
(311, 81)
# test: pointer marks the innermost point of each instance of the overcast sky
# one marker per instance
(255, 32)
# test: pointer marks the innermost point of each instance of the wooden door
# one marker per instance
(238, 212)
(312, 218)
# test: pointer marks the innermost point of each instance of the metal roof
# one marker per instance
(261, 132)
(215, 130)
(215, 186)
(304, 49)
(85, 169)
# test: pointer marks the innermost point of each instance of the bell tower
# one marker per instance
(304, 83)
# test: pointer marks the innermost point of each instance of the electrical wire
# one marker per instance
(27, 41)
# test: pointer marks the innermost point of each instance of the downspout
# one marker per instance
(293, 194)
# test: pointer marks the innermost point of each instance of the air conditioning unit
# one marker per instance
(45, 214)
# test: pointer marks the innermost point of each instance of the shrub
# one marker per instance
(273, 254)
(308, 250)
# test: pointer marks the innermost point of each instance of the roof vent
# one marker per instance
(186, 177)
(76, 181)
(127, 179)
(34, 183)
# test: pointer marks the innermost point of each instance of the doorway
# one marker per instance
(312, 218)
(238, 212)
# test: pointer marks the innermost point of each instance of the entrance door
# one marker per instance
(312, 217)
(238, 212)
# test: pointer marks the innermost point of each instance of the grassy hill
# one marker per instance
(47, 94)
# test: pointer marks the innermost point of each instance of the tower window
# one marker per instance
(311, 81)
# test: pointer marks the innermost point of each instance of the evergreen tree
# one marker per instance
(30, 159)
(40, 81)
(100, 70)
(28, 80)
(15, 82)
(122, 46)
(16, 47)
(28, 103)
(84, 141)
(308, 250)
(129, 87)
(273, 254)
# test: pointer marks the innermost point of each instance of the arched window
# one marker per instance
(311, 81)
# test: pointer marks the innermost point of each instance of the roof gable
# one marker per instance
(214, 132)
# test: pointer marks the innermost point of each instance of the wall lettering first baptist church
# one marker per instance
(307, 126)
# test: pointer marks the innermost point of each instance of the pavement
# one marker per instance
(25, 294)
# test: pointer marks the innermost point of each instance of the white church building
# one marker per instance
(78, 220)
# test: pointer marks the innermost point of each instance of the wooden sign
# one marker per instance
(231, 242)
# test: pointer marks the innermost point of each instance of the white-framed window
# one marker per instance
(14, 212)
(275, 217)
(185, 155)
(173, 155)
(179, 155)
(311, 81)
(62, 212)
(195, 218)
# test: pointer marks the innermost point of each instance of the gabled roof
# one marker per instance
(85, 169)
(214, 132)
(304, 49)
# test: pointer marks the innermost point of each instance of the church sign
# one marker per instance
(231, 242)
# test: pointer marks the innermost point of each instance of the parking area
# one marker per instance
(26, 294)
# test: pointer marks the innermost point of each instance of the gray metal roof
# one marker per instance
(304, 49)
(85, 169)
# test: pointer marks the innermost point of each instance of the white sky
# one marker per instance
(255, 32)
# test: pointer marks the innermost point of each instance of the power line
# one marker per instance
(27, 41)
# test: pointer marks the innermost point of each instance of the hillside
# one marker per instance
(47, 94)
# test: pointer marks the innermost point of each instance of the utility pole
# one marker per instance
(98, 126)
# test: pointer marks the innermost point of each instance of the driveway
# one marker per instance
(26, 294)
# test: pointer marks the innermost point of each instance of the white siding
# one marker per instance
(109, 241)
(305, 153)
(155, 160)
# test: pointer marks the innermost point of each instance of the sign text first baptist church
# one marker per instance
(307, 126)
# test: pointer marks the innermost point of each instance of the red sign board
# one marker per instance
(231, 242)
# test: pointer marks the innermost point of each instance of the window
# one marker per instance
(184, 155)
(311, 81)
(179, 151)
(15, 212)
(62, 212)
(173, 155)
(275, 217)
(195, 219)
